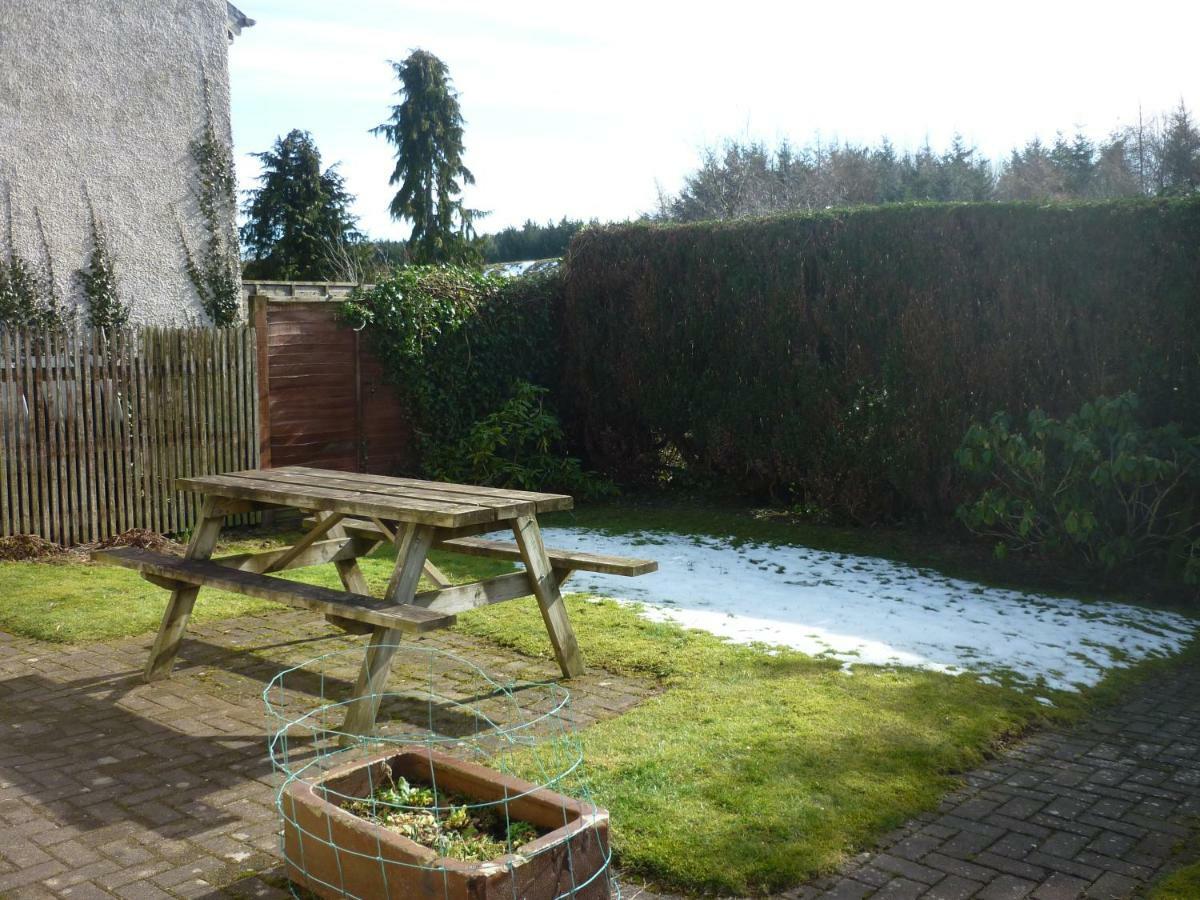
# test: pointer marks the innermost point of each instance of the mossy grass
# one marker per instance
(1182, 884)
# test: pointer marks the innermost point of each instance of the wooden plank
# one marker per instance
(559, 559)
(462, 597)
(545, 502)
(309, 538)
(259, 312)
(147, 469)
(367, 528)
(319, 553)
(436, 575)
(28, 453)
(70, 386)
(36, 431)
(470, 545)
(8, 504)
(257, 486)
(179, 607)
(422, 491)
(49, 437)
(87, 414)
(197, 573)
(351, 576)
(125, 424)
(412, 547)
(550, 601)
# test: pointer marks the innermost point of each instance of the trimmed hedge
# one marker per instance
(837, 359)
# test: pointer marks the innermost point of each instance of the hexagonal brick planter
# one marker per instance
(335, 853)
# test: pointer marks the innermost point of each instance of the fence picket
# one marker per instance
(95, 428)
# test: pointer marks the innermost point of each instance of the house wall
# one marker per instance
(110, 93)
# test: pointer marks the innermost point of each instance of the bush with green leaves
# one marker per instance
(520, 445)
(1097, 485)
(475, 357)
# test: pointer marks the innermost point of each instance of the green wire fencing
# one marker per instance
(467, 788)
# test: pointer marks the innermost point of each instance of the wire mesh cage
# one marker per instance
(468, 787)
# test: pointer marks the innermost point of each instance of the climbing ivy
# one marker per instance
(473, 354)
(214, 271)
(99, 282)
(27, 295)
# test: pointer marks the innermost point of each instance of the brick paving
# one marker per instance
(110, 787)
(1099, 811)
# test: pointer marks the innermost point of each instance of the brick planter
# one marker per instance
(335, 853)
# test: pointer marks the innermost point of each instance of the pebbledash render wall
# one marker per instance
(110, 94)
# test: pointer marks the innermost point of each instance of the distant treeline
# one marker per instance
(531, 241)
(1157, 157)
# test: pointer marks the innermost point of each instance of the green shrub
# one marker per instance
(520, 445)
(1097, 485)
(836, 359)
(476, 357)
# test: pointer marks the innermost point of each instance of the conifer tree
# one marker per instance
(1180, 161)
(298, 216)
(426, 128)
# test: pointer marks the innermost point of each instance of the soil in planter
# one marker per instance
(449, 824)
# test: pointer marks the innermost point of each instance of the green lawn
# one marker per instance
(752, 771)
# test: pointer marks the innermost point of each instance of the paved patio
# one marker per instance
(112, 787)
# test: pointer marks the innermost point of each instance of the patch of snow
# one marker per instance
(865, 610)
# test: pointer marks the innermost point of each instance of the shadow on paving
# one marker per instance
(93, 749)
(428, 692)
(78, 750)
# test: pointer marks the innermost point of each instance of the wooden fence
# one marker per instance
(323, 396)
(96, 427)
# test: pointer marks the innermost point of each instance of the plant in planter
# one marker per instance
(416, 823)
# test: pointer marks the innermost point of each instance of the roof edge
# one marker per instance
(235, 21)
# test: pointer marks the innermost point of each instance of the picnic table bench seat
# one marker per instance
(175, 570)
(561, 560)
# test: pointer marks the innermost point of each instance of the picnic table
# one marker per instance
(349, 516)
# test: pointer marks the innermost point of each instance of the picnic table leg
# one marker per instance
(546, 588)
(412, 546)
(179, 607)
(353, 580)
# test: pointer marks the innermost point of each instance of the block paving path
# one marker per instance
(1099, 811)
(110, 787)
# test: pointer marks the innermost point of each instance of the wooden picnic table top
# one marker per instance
(437, 503)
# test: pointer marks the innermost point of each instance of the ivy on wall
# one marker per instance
(27, 295)
(99, 282)
(213, 271)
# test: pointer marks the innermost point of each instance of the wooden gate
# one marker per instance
(323, 398)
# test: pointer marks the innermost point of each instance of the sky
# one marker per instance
(586, 110)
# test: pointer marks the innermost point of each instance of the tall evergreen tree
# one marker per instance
(426, 128)
(1075, 160)
(298, 218)
(1180, 162)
